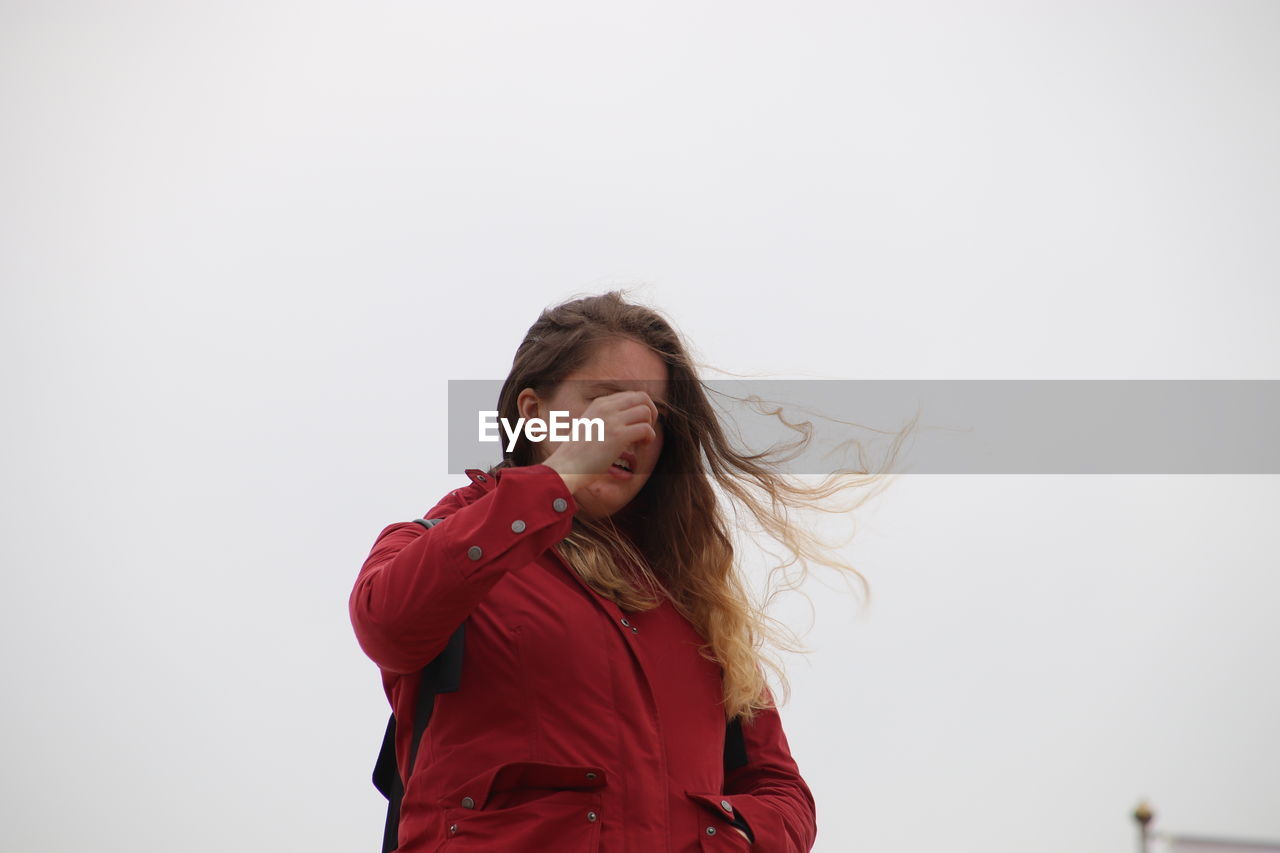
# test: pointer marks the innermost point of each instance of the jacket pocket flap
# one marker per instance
(721, 804)
(726, 806)
(528, 774)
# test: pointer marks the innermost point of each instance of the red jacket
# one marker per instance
(576, 727)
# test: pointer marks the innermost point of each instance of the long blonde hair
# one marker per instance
(677, 540)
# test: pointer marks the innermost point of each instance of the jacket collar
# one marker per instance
(482, 479)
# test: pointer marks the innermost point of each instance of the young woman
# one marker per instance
(612, 694)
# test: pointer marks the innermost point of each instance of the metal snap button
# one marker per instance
(591, 775)
(711, 830)
(724, 804)
(481, 478)
(635, 630)
(591, 816)
(474, 552)
(517, 527)
(625, 622)
(468, 803)
(560, 504)
(453, 828)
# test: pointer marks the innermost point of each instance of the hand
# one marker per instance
(740, 832)
(629, 418)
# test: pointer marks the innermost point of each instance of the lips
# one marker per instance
(622, 473)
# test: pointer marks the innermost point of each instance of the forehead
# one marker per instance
(623, 365)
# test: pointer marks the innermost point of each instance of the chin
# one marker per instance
(612, 496)
(598, 508)
(604, 509)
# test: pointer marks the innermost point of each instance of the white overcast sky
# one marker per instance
(244, 246)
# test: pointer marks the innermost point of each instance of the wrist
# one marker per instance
(572, 482)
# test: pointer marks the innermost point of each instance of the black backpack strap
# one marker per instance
(442, 675)
(735, 746)
(735, 756)
(386, 778)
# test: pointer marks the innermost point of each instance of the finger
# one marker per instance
(640, 433)
(636, 398)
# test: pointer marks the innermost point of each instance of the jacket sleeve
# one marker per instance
(768, 792)
(418, 585)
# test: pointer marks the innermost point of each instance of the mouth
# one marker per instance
(623, 467)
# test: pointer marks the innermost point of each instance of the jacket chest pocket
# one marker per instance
(527, 805)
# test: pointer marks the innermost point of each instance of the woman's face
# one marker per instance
(620, 364)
